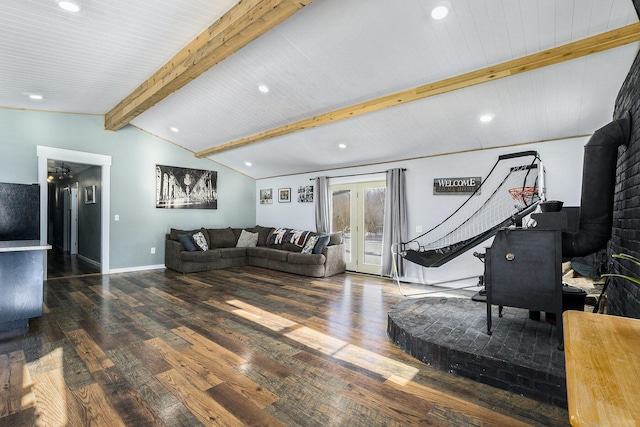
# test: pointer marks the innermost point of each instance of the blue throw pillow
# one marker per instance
(322, 243)
(186, 241)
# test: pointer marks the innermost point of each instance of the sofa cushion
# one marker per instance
(173, 234)
(263, 233)
(311, 243)
(238, 231)
(200, 241)
(306, 259)
(221, 238)
(335, 238)
(226, 253)
(268, 253)
(247, 240)
(323, 242)
(186, 241)
(199, 256)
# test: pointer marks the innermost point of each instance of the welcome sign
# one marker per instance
(458, 186)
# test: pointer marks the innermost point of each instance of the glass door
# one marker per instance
(358, 211)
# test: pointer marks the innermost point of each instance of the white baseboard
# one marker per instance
(89, 260)
(138, 268)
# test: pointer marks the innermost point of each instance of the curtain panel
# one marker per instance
(395, 220)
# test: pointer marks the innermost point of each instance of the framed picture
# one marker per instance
(305, 194)
(266, 196)
(183, 188)
(284, 195)
(89, 194)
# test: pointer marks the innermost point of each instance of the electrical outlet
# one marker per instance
(418, 229)
(116, 217)
(153, 250)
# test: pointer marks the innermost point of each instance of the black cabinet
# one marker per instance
(21, 277)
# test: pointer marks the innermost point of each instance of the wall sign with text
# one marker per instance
(459, 186)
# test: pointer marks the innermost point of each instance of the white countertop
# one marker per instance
(23, 245)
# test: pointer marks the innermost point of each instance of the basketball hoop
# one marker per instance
(525, 195)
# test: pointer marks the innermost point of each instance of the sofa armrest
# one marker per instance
(172, 251)
(336, 260)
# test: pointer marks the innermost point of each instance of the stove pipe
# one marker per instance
(598, 182)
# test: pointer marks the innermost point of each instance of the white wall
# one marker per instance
(562, 161)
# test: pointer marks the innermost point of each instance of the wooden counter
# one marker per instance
(602, 356)
(21, 284)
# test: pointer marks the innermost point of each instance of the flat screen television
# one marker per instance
(19, 211)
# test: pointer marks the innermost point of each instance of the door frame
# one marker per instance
(357, 208)
(104, 161)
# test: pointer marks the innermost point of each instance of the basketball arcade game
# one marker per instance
(512, 190)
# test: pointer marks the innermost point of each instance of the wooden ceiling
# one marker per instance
(543, 70)
(245, 22)
(588, 46)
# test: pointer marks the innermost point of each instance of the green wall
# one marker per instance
(134, 155)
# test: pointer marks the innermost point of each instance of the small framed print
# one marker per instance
(89, 194)
(284, 195)
(266, 196)
(305, 194)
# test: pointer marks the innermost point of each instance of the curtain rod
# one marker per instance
(355, 174)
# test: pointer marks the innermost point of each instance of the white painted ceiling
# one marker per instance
(331, 54)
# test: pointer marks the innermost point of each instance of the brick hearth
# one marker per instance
(451, 334)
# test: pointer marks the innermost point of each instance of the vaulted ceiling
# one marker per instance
(382, 78)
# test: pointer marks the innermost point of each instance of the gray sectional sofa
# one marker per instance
(274, 248)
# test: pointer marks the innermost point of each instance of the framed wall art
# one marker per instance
(89, 194)
(284, 195)
(266, 196)
(183, 188)
(305, 194)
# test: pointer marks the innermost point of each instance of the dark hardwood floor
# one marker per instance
(61, 264)
(242, 346)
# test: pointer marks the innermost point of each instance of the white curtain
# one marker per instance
(323, 224)
(395, 220)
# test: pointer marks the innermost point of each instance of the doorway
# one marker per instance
(357, 209)
(104, 162)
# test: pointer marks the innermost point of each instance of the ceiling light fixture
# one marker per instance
(69, 6)
(62, 172)
(486, 118)
(441, 10)
(174, 129)
(342, 146)
(35, 97)
(263, 88)
(247, 163)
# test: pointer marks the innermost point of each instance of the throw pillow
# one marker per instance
(322, 243)
(311, 243)
(335, 238)
(200, 241)
(186, 241)
(247, 240)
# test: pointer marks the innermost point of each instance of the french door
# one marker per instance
(357, 210)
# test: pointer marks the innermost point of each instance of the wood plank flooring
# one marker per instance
(62, 264)
(242, 346)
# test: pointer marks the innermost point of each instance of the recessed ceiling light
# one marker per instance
(174, 129)
(247, 163)
(69, 6)
(486, 118)
(35, 96)
(342, 145)
(263, 88)
(439, 12)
